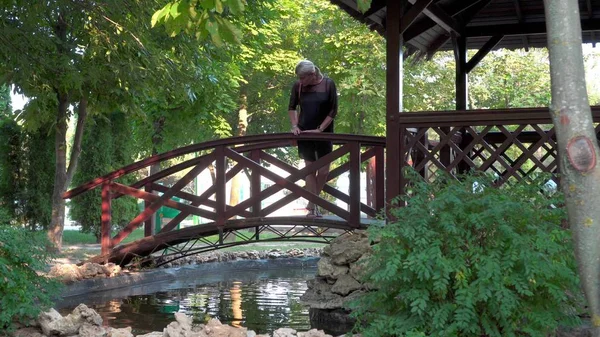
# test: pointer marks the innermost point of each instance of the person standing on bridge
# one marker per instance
(316, 95)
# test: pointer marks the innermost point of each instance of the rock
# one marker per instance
(67, 273)
(52, 323)
(111, 269)
(345, 284)
(152, 334)
(253, 255)
(358, 268)
(325, 268)
(28, 332)
(284, 332)
(326, 251)
(91, 330)
(214, 328)
(84, 314)
(124, 332)
(349, 247)
(184, 321)
(322, 300)
(174, 329)
(91, 270)
(313, 333)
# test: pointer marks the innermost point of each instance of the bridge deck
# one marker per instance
(168, 246)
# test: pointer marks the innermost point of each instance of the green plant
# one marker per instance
(24, 292)
(464, 258)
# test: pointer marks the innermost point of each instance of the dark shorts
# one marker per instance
(312, 150)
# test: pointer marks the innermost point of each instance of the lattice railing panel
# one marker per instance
(510, 151)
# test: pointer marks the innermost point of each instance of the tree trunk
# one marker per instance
(157, 139)
(577, 144)
(236, 184)
(62, 175)
(57, 222)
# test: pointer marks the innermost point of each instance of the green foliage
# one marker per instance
(5, 101)
(10, 162)
(107, 147)
(24, 291)
(203, 18)
(35, 197)
(465, 258)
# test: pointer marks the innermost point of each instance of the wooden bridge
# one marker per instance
(250, 220)
(511, 144)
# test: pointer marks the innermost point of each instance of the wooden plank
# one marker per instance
(106, 219)
(411, 15)
(354, 188)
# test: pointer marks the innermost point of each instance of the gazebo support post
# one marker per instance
(462, 90)
(394, 75)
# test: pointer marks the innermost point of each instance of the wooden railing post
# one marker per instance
(220, 193)
(379, 179)
(150, 223)
(105, 229)
(354, 178)
(255, 189)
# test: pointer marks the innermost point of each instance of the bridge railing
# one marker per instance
(511, 144)
(229, 157)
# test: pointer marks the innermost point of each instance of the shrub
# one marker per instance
(23, 291)
(468, 259)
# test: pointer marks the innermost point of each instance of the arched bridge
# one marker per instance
(252, 219)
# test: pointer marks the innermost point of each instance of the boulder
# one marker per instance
(185, 322)
(92, 330)
(124, 332)
(325, 268)
(358, 268)
(322, 300)
(67, 273)
(345, 284)
(52, 323)
(284, 332)
(349, 248)
(28, 332)
(313, 333)
(91, 270)
(319, 285)
(111, 269)
(152, 334)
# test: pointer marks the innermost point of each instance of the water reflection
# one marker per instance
(262, 305)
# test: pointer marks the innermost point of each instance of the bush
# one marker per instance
(467, 259)
(23, 292)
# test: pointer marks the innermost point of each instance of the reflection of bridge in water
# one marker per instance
(249, 221)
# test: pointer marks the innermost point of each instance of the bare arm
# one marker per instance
(294, 120)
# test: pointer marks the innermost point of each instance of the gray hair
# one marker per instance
(306, 67)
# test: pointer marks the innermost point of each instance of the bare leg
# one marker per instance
(322, 174)
(311, 184)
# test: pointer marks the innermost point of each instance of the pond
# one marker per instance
(260, 299)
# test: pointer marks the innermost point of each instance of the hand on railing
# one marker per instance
(296, 130)
(312, 131)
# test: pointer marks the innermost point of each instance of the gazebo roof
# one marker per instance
(509, 24)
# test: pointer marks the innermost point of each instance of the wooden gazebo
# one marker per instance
(465, 139)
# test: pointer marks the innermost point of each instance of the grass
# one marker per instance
(71, 237)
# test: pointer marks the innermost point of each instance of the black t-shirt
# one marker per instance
(316, 103)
